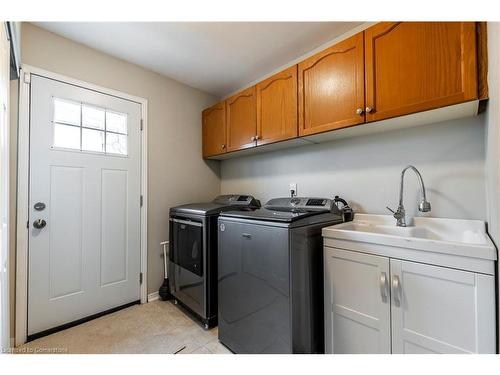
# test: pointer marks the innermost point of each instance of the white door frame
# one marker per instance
(23, 187)
(5, 334)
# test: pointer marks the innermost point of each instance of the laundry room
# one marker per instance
(252, 187)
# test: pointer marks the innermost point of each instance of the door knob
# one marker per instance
(39, 223)
(369, 109)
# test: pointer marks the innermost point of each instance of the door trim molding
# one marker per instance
(22, 238)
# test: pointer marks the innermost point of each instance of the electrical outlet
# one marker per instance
(293, 189)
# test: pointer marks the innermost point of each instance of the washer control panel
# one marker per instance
(300, 203)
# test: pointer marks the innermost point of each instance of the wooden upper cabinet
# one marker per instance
(241, 120)
(277, 107)
(417, 66)
(331, 88)
(391, 69)
(214, 130)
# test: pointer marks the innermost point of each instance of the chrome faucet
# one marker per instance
(424, 205)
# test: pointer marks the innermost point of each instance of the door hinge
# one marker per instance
(27, 77)
(141, 200)
(28, 224)
(140, 278)
(142, 124)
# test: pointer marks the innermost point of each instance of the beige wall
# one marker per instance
(177, 173)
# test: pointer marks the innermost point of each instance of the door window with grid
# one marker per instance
(84, 127)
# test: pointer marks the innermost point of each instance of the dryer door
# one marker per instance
(187, 262)
(187, 246)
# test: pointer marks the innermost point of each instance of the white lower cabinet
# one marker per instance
(375, 304)
(441, 310)
(357, 303)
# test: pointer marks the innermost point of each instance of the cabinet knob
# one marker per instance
(359, 111)
(369, 109)
(252, 139)
(223, 146)
(256, 137)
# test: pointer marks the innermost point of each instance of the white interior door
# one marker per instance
(441, 310)
(84, 227)
(357, 303)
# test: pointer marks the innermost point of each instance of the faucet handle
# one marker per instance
(399, 214)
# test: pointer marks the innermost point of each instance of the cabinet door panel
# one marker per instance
(331, 87)
(214, 130)
(357, 316)
(417, 66)
(277, 107)
(241, 120)
(441, 310)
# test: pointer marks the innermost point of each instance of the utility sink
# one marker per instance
(465, 238)
(390, 230)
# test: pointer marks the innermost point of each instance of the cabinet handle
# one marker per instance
(247, 235)
(396, 290)
(383, 286)
(223, 146)
(369, 109)
(359, 111)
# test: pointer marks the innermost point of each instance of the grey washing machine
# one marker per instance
(270, 283)
(192, 266)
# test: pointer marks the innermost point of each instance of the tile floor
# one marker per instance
(155, 327)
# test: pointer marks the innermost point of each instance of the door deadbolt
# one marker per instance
(39, 223)
(39, 206)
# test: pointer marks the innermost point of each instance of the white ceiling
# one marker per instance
(216, 57)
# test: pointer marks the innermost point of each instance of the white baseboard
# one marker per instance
(153, 296)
